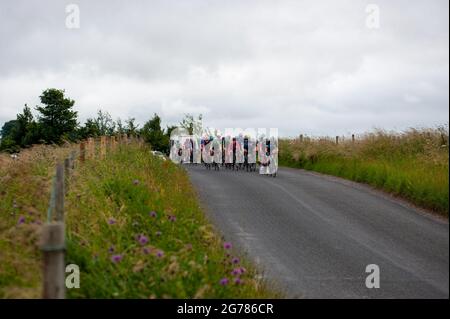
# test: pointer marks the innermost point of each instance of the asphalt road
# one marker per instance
(313, 235)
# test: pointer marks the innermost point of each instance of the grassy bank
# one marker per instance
(412, 164)
(136, 231)
(24, 194)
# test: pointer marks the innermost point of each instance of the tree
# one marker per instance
(100, 126)
(105, 124)
(7, 128)
(57, 120)
(154, 135)
(120, 128)
(131, 128)
(90, 129)
(192, 124)
(21, 132)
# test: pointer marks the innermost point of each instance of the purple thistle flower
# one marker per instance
(243, 270)
(227, 245)
(116, 258)
(223, 281)
(146, 250)
(235, 260)
(236, 272)
(21, 220)
(143, 240)
(111, 249)
(158, 233)
(159, 254)
(238, 281)
(111, 221)
(153, 214)
(172, 218)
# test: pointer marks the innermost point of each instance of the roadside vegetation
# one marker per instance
(133, 226)
(24, 194)
(136, 231)
(412, 164)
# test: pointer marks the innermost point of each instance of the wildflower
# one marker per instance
(21, 220)
(235, 260)
(143, 240)
(238, 281)
(111, 249)
(227, 245)
(146, 250)
(158, 233)
(172, 218)
(243, 270)
(136, 182)
(159, 254)
(223, 281)
(111, 221)
(153, 214)
(236, 272)
(116, 258)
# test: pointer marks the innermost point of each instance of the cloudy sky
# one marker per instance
(316, 67)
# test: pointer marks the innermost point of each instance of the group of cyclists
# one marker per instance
(240, 153)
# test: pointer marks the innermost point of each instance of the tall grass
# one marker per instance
(133, 226)
(136, 231)
(412, 164)
(24, 195)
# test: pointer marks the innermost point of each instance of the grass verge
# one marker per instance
(24, 196)
(135, 229)
(412, 165)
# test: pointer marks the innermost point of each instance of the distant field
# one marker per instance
(412, 164)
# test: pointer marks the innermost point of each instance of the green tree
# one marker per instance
(105, 124)
(7, 128)
(89, 129)
(131, 128)
(57, 120)
(154, 135)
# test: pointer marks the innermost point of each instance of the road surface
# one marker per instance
(313, 235)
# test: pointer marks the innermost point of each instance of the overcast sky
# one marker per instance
(315, 67)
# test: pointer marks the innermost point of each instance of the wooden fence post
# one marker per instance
(353, 138)
(102, 147)
(59, 193)
(72, 160)
(113, 143)
(91, 148)
(82, 152)
(66, 174)
(53, 248)
(337, 140)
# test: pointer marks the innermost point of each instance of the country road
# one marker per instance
(314, 235)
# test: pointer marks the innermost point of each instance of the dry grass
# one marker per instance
(411, 164)
(24, 193)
